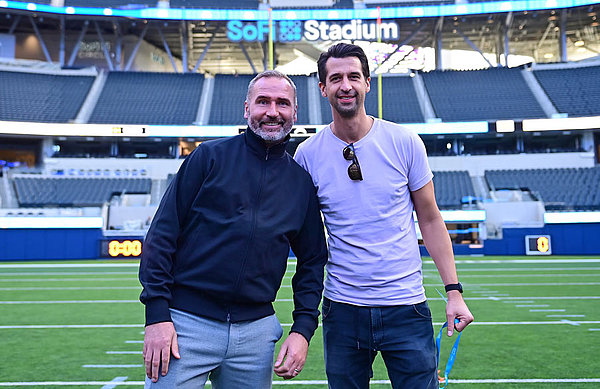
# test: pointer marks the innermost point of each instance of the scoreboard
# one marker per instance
(121, 248)
(538, 245)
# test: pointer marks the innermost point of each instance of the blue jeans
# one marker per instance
(403, 334)
(232, 355)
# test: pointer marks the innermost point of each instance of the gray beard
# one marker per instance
(270, 137)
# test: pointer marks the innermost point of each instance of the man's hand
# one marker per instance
(457, 309)
(294, 351)
(160, 340)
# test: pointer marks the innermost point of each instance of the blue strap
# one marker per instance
(453, 352)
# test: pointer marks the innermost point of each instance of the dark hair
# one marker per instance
(342, 50)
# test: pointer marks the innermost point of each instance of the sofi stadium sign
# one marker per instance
(311, 30)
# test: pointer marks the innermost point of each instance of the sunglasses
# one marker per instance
(354, 169)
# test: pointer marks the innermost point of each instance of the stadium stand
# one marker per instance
(227, 4)
(111, 3)
(41, 97)
(229, 93)
(343, 4)
(74, 192)
(451, 187)
(302, 97)
(37, 1)
(407, 3)
(560, 189)
(400, 101)
(149, 98)
(492, 94)
(291, 4)
(575, 91)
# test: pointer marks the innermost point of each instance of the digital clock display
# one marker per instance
(115, 248)
(538, 245)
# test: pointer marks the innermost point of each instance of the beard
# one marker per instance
(270, 136)
(347, 110)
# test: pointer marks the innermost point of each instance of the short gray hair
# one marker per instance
(269, 74)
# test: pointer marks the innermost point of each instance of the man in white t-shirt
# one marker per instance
(370, 175)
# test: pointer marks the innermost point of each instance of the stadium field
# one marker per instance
(80, 325)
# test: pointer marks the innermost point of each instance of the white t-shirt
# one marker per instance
(374, 257)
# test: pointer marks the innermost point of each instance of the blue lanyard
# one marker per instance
(453, 352)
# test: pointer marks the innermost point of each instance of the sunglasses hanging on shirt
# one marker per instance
(354, 171)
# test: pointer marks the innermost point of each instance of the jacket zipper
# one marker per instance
(253, 228)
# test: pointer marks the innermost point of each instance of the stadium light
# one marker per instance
(488, 7)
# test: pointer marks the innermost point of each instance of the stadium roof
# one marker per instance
(208, 41)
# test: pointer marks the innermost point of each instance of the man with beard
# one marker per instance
(374, 300)
(217, 250)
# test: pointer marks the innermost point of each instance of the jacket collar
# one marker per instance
(258, 146)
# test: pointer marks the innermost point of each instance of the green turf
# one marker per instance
(496, 290)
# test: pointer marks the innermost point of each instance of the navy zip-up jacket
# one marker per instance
(219, 242)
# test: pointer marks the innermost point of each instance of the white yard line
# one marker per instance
(19, 302)
(62, 326)
(113, 384)
(527, 284)
(526, 275)
(65, 265)
(320, 382)
(513, 301)
(95, 273)
(64, 279)
(477, 323)
(552, 298)
(74, 288)
(523, 269)
(498, 297)
(69, 302)
(124, 352)
(111, 366)
(538, 261)
(510, 284)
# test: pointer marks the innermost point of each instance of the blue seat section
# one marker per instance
(149, 98)
(302, 96)
(338, 4)
(226, 4)
(450, 188)
(491, 94)
(75, 192)
(573, 91)
(42, 97)
(343, 4)
(399, 99)
(229, 94)
(111, 3)
(409, 4)
(560, 189)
